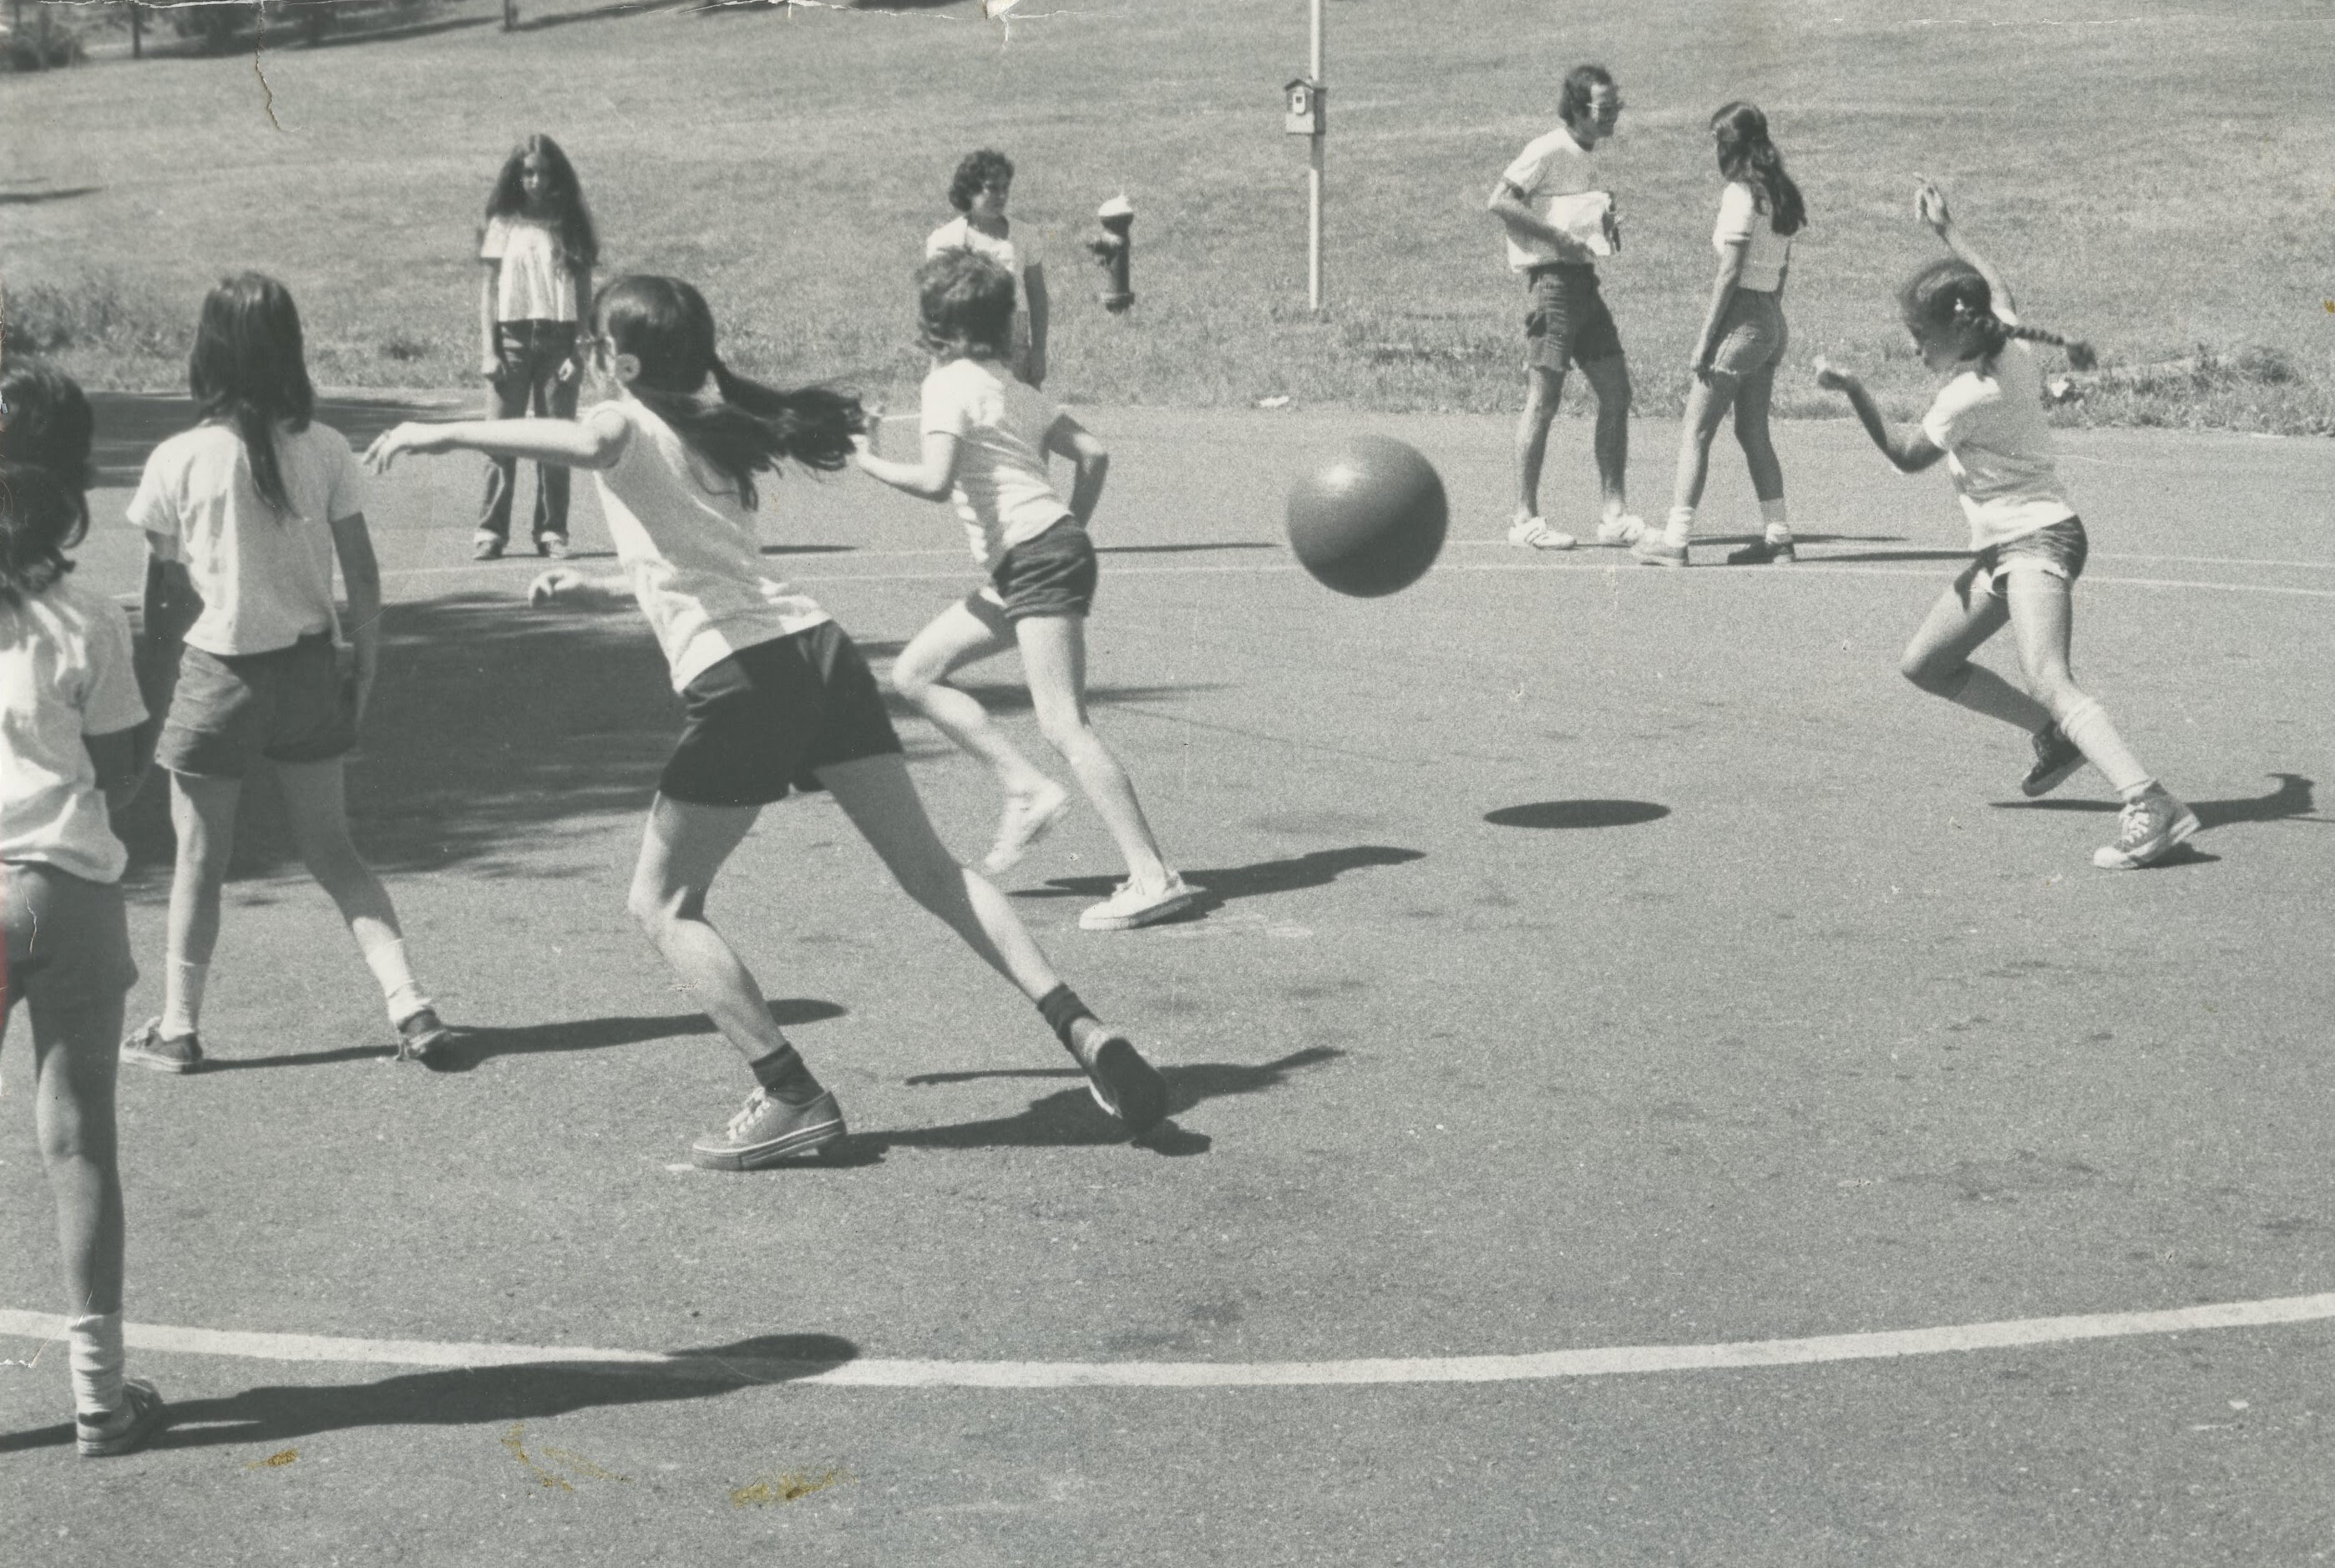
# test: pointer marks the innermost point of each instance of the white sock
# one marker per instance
(94, 1345)
(182, 997)
(2086, 724)
(1680, 529)
(1778, 520)
(386, 958)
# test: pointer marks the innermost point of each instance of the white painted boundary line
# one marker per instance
(920, 1374)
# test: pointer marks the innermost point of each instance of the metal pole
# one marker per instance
(1318, 142)
(137, 33)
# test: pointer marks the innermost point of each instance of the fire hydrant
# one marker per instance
(1115, 253)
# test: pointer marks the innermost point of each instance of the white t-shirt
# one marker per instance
(265, 579)
(532, 284)
(1549, 167)
(1741, 222)
(958, 234)
(1998, 447)
(693, 550)
(1002, 490)
(64, 673)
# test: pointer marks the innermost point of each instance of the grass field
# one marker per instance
(2157, 181)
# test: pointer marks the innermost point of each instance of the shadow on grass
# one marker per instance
(493, 734)
(1070, 1118)
(1314, 868)
(129, 425)
(473, 1396)
(1577, 814)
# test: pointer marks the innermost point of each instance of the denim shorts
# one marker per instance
(1567, 322)
(1052, 575)
(2059, 549)
(1752, 336)
(292, 705)
(765, 719)
(68, 939)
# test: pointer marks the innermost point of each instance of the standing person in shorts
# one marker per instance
(776, 696)
(986, 439)
(1741, 342)
(244, 516)
(74, 738)
(1567, 323)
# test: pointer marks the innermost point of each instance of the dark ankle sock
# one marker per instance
(1061, 1008)
(782, 1073)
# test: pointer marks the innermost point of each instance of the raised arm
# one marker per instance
(1911, 452)
(1929, 206)
(1091, 459)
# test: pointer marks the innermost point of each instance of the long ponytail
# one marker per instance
(1746, 153)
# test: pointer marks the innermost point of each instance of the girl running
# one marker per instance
(774, 695)
(1741, 342)
(244, 516)
(986, 437)
(979, 191)
(1988, 423)
(72, 737)
(539, 248)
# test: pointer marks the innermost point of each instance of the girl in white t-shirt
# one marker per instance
(244, 516)
(979, 191)
(1742, 339)
(775, 695)
(1988, 424)
(72, 735)
(539, 248)
(986, 439)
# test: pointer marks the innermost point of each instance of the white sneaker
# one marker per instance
(1621, 530)
(2148, 828)
(1535, 534)
(1027, 819)
(1130, 906)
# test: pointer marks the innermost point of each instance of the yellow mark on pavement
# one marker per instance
(276, 1461)
(790, 1487)
(567, 1459)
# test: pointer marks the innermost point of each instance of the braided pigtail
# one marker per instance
(1950, 292)
(2080, 353)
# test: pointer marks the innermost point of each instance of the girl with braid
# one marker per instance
(1741, 342)
(1988, 423)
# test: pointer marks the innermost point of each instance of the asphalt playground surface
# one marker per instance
(1595, 958)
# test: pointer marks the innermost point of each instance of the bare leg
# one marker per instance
(965, 633)
(682, 850)
(202, 814)
(316, 802)
(2042, 622)
(1054, 658)
(881, 799)
(75, 1056)
(1610, 380)
(1938, 658)
(1707, 402)
(1543, 388)
(1752, 402)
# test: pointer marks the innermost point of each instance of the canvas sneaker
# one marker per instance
(1124, 1084)
(553, 547)
(1535, 534)
(769, 1131)
(420, 1036)
(2056, 757)
(486, 547)
(148, 1048)
(142, 1414)
(1654, 549)
(1028, 819)
(1621, 530)
(1130, 907)
(2149, 827)
(1764, 553)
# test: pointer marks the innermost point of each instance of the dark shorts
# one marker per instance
(1752, 336)
(764, 719)
(2059, 549)
(1567, 322)
(68, 939)
(293, 704)
(1052, 575)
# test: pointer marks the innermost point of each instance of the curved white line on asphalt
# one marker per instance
(875, 1373)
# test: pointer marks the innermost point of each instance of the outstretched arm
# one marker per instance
(1929, 206)
(1911, 452)
(573, 590)
(590, 443)
(1092, 459)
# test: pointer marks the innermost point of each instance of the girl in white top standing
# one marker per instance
(244, 516)
(539, 248)
(72, 732)
(983, 181)
(1988, 423)
(1742, 339)
(776, 698)
(986, 439)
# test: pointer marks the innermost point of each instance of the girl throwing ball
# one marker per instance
(1988, 423)
(775, 696)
